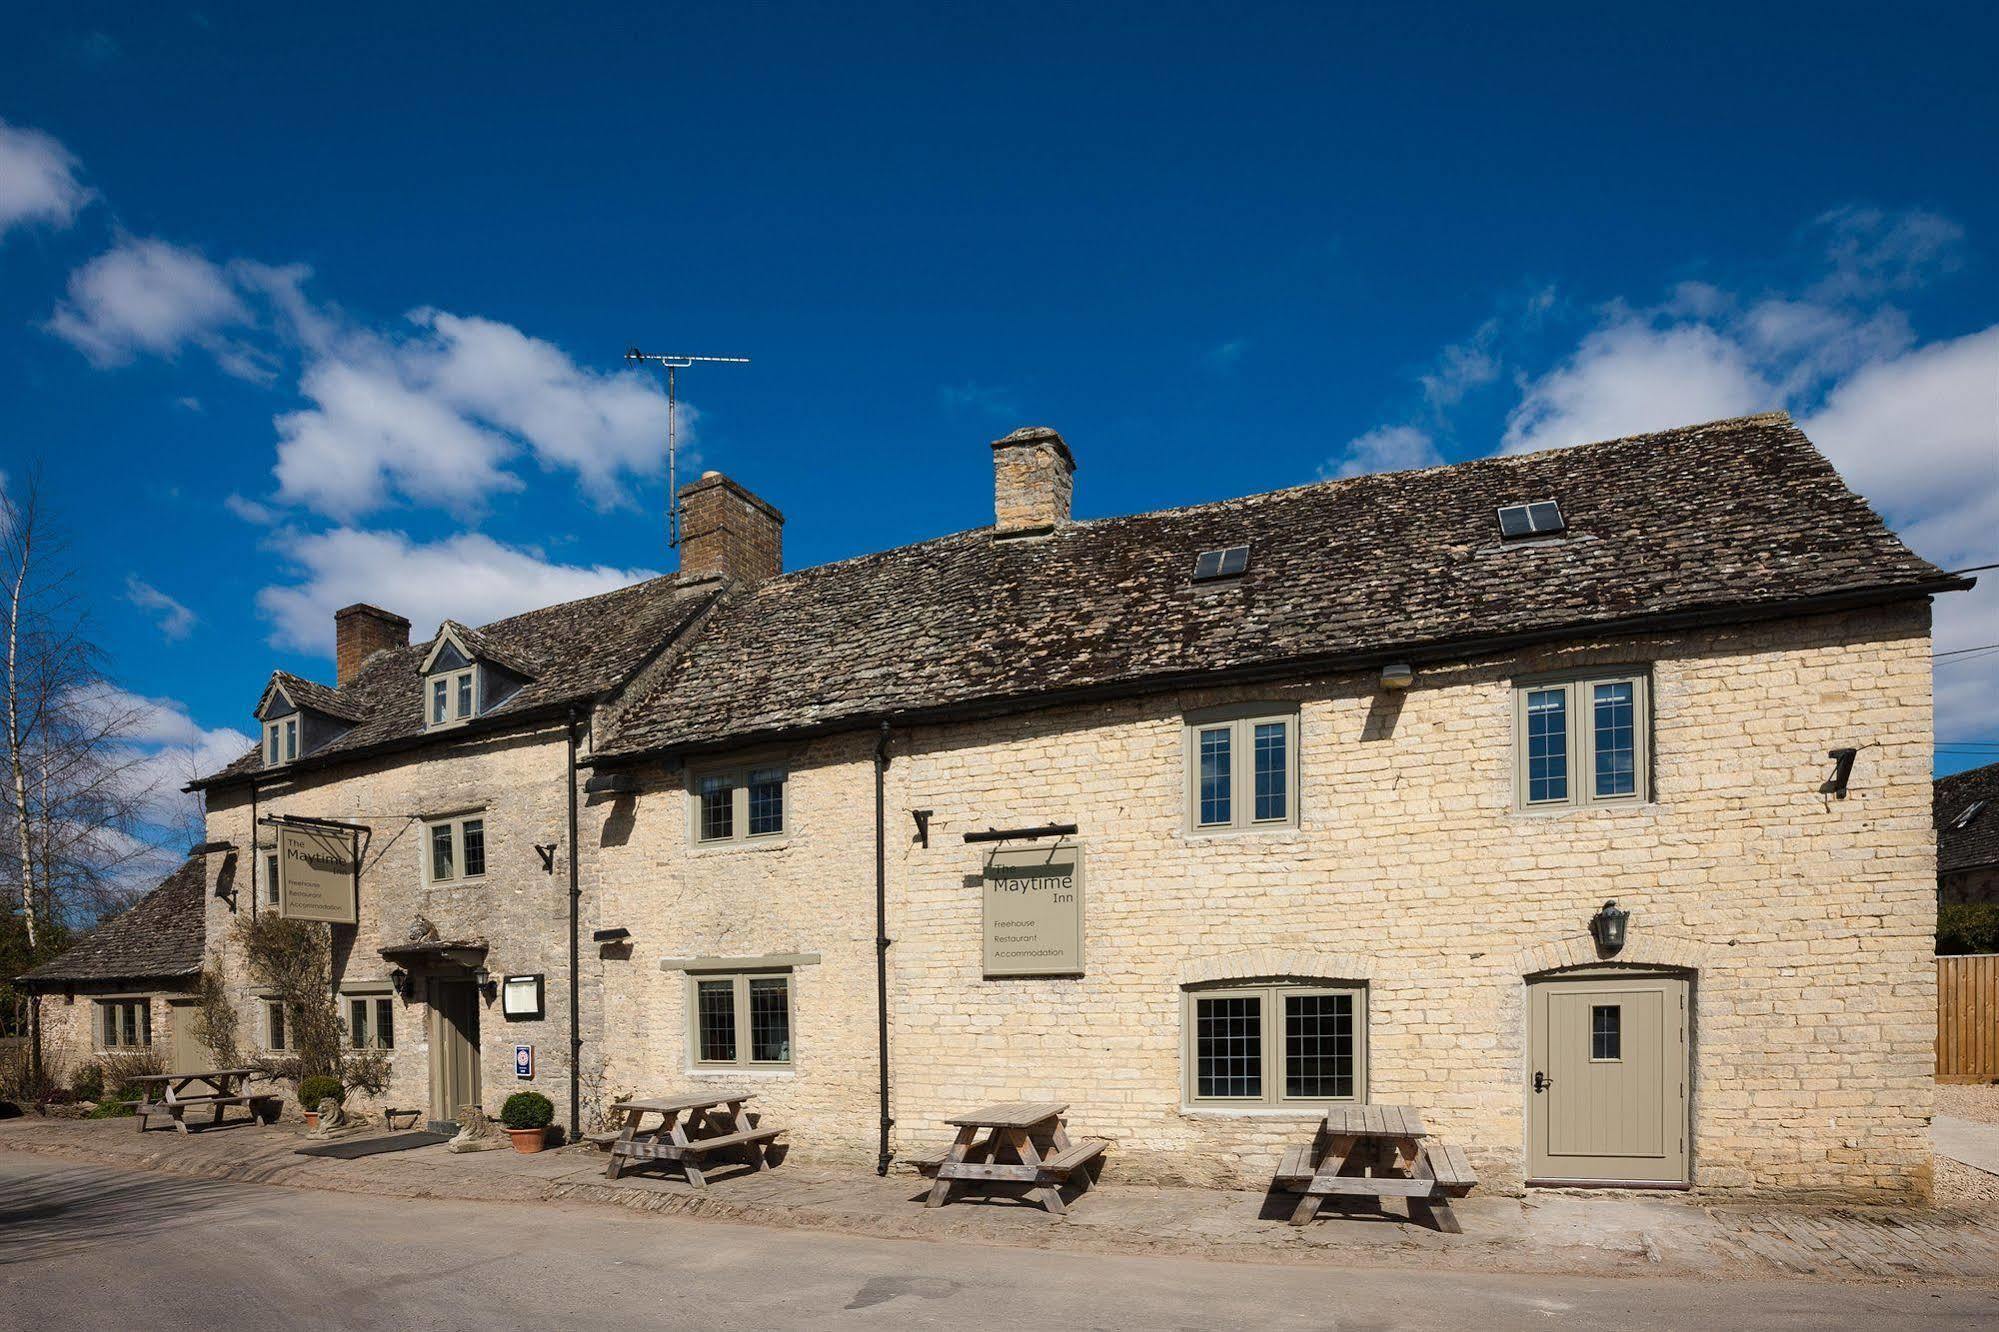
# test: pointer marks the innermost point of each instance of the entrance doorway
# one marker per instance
(454, 1051)
(188, 1054)
(1607, 1079)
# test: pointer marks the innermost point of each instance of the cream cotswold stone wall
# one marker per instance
(1806, 920)
(520, 909)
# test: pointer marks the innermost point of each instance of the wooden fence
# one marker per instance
(1968, 1018)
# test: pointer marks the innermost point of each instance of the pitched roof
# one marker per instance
(311, 694)
(1731, 516)
(487, 647)
(158, 937)
(1976, 844)
(578, 650)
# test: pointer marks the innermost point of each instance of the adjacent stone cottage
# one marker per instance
(1199, 820)
(1967, 828)
(127, 987)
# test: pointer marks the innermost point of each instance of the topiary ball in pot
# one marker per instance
(526, 1116)
(317, 1088)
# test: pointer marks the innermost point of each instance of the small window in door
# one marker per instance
(1606, 1033)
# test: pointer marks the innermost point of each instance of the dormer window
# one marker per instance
(281, 740)
(453, 696)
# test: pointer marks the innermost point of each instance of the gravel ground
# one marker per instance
(1955, 1181)
(1979, 1103)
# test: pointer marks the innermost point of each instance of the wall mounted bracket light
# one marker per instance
(1607, 926)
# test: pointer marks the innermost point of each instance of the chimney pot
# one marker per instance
(359, 632)
(1034, 478)
(726, 530)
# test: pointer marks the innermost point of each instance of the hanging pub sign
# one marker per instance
(317, 875)
(1034, 911)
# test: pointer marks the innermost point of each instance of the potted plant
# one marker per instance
(526, 1115)
(313, 1090)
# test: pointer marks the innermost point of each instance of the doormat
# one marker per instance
(394, 1142)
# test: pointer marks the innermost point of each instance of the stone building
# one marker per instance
(127, 987)
(1506, 790)
(1580, 799)
(438, 777)
(1967, 829)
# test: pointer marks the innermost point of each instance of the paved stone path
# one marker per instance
(1590, 1235)
(1966, 1140)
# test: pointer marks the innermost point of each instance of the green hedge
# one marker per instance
(1971, 927)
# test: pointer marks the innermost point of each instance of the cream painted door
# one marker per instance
(1607, 1080)
(454, 1048)
(188, 1054)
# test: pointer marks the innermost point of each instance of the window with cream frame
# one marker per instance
(371, 1018)
(450, 697)
(739, 1020)
(280, 740)
(740, 802)
(124, 1024)
(1582, 739)
(1277, 1043)
(278, 1026)
(454, 850)
(1242, 768)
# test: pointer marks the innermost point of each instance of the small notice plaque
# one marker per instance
(1034, 911)
(316, 875)
(524, 1062)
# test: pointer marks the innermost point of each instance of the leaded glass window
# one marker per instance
(1277, 1043)
(725, 1008)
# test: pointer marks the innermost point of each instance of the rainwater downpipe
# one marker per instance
(575, 954)
(882, 940)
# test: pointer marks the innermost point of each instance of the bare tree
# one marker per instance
(73, 809)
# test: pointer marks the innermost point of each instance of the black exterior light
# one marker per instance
(1607, 925)
(399, 981)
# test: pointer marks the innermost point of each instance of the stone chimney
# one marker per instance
(1034, 474)
(726, 530)
(359, 632)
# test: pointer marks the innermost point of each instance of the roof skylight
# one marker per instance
(1540, 518)
(1971, 811)
(1227, 563)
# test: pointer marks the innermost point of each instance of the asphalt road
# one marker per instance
(91, 1247)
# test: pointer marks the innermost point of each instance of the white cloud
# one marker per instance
(149, 296)
(1384, 449)
(164, 748)
(1631, 376)
(1870, 251)
(37, 180)
(249, 510)
(468, 577)
(174, 620)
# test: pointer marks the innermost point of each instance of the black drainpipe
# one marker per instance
(575, 955)
(881, 939)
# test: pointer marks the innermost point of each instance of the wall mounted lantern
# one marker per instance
(399, 981)
(1607, 925)
(487, 985)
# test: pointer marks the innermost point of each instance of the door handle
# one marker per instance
(1542, 1081)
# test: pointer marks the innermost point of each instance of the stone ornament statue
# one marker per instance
(334, 1121)
(421, 930)
(475, 1132)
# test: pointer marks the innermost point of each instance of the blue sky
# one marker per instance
(303, 308)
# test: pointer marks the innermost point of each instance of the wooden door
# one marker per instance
(188, 1055)
(1607, 1080)
(454, 1048)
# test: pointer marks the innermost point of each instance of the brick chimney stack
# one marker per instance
(726, 530)
(1034, 476)
(359, 632)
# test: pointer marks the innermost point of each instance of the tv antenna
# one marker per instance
(673, 365)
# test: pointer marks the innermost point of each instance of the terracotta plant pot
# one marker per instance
(528, 1140)
(311, 1118)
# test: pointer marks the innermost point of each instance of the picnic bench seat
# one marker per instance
(1023, 1131)
(264, 1107)
(690, 1128)
(1372, 1151)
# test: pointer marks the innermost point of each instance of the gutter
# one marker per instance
(882, 942)
(1414, 651)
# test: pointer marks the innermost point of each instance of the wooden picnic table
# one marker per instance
(178, 1095)
(1026, 1142)
(1376, 1152)
(690, 1127)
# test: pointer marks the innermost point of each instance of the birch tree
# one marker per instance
(76, 791)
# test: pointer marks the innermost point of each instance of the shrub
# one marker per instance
(1968, 927)
(313, 1090)
(527, 1110)
(110, 1108)
(120, 1070)
(88, 1084)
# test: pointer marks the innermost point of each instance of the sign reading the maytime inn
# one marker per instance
(1034, 911)
(316, 875)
